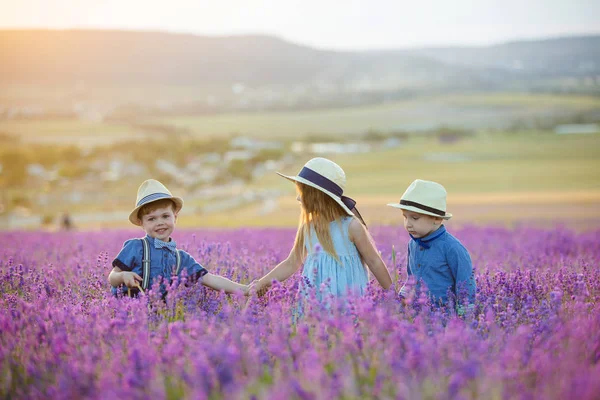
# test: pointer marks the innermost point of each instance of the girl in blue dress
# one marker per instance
(332, 241)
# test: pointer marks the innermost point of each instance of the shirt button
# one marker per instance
(419, 265)
(421, 248)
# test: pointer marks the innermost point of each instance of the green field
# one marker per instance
(476, 111)
(519, 177)
(507, 178)
(491, 175)
(470, 111)
(485, 163)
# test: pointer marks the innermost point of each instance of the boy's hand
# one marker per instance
(248, 289)
(131, 279)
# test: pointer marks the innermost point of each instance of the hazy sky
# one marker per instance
(347, 24)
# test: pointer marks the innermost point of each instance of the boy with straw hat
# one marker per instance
(141, 261)
(435, 257)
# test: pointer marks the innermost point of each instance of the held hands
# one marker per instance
(249, 289)
(258, 288)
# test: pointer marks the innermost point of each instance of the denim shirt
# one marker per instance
(442, 263)
(162, 262)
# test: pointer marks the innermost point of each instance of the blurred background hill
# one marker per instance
(511, 129)
(108, 58)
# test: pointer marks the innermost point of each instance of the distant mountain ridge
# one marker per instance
(563, 56)
(115, 57)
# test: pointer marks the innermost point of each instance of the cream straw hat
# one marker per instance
(328, 177)
(149, 191)
(424, 197)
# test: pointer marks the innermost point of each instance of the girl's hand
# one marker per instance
(257, 288)
(249, 289)
(261, 288)
(131, 279)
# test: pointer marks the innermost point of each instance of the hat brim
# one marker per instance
(327, 192)
(133, 216)
(418, 210)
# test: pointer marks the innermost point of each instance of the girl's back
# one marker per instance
(320, 185)
(339, 278)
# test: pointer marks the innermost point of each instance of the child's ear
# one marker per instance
(437, 220)
(175, 216)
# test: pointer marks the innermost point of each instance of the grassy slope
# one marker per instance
(516, 177)
(501, 169)
(473, 111)
(470, 110)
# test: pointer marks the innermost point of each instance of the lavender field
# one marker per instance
(534, 333)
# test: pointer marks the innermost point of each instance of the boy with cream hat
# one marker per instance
(435, 257)
(156, 256)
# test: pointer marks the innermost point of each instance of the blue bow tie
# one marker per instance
(426, 242)
(159, 244)
(420, 242)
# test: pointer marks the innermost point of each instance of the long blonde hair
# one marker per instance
(318, 211)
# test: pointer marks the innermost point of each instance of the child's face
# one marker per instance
(420, 225)
(160, 223)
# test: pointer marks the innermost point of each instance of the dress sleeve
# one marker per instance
(193, 269)
(130, 255)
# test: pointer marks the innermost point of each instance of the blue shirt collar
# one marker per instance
(426, 241)
(159, 244)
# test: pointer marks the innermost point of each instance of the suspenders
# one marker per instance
(146, 264)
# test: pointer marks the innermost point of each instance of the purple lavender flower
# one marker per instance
(62, 334)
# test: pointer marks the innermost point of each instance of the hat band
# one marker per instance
(327, 184)
(152, 197)
(321, 181)
(423, 207)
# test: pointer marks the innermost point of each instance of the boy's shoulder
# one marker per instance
(449, 237)
(183, 253)
(139, 243)
(446, 241)
(131, 251)
(133, 242)
(133, 246)
(451, 242)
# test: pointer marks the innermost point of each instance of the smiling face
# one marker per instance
(420, 225)
(159, 220)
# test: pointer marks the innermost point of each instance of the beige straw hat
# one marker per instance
(149, 191)
(326, 176)
(424, 197)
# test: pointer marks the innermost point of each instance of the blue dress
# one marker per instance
(328, 276)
